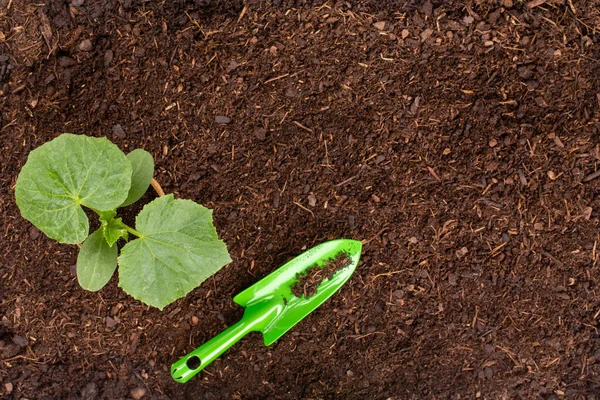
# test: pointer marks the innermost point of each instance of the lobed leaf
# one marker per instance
(113, 230)
(96, 262)
(178, 250)
(62, 175)
(107, 215)
(143, 170)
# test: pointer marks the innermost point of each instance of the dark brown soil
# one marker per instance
(459, 141)
(308, 282)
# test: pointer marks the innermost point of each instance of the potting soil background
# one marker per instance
(458, 140)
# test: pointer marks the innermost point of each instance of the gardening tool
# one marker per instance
(271, 307)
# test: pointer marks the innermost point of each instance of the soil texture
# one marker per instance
(460, 141)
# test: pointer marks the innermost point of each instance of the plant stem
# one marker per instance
(130, 229)
(157, 188)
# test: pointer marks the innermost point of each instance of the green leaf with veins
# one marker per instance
(107, 215)
(179, 249)
(96, 262)
(113, 230)
(62, 175)
(143, 170)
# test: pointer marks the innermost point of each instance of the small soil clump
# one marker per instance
(309, 281)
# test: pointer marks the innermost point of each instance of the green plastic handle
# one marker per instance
(255, 318)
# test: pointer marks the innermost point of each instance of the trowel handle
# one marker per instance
(195, 361)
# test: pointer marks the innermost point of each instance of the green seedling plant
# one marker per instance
(171, 250)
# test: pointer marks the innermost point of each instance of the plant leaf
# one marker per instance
(107, 215)
(65, 173)
(143, 170)
(96, 262)
(178, 250)
(113, 230)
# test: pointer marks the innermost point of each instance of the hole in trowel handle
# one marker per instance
(193, 362)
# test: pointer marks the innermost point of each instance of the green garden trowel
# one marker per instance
(271, 307)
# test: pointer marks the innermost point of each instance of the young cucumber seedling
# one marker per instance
(174, 246)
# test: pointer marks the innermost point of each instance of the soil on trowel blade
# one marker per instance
(308, 282)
